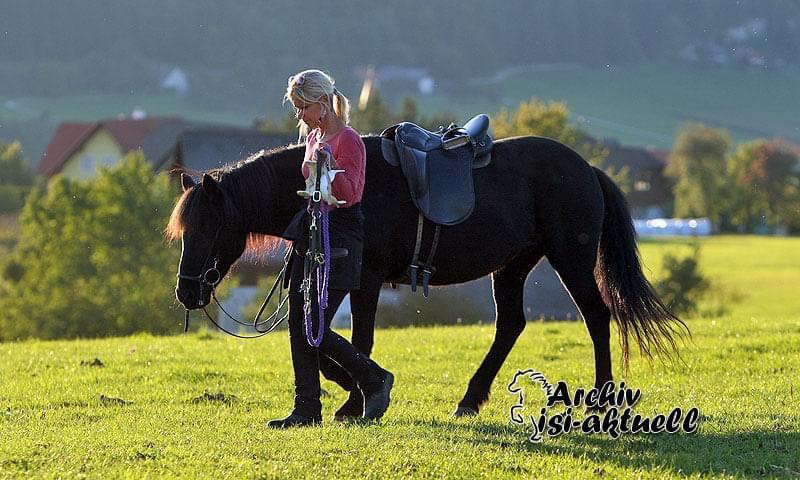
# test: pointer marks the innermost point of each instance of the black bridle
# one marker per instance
(211, 277)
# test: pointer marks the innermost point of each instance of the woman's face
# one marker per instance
(309, 113)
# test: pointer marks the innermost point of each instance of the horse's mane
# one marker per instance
(252, 174)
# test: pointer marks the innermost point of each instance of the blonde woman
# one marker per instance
(323, 114)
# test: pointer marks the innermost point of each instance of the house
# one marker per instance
(177, 81)
(77, 149)
(204, 147)
(650, 195)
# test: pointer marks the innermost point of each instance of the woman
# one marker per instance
(323, 112)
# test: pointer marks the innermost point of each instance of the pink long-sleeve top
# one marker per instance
(350, 155)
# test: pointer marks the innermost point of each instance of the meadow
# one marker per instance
(195, 406)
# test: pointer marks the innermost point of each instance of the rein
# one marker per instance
(212, 277)
(317, 260)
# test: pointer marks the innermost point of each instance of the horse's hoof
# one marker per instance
(464, 412)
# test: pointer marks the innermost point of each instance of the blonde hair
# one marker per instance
(313, 85)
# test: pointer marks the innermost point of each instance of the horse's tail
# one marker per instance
(638, 311)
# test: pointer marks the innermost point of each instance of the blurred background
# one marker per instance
(693, 107)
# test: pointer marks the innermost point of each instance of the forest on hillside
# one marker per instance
(235, 49)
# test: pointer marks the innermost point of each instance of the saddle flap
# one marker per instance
(448, 196)
(390, 152)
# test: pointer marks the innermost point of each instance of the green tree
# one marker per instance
(91, 260)
(698, 166)
(765, 186)
(16, 179)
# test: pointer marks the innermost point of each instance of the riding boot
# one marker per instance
(352, 408)
(373, 381)
(376, 396)
(335, 373)
(305, 363)
(294, 420)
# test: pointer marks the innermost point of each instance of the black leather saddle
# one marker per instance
(438, 165)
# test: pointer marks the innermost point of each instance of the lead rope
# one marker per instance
(314, 260)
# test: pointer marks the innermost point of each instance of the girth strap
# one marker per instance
(427, 266)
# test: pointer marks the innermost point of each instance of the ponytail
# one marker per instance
(341, 106)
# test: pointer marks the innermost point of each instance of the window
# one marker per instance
(87, 164)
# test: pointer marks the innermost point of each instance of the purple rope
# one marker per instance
(322, 284)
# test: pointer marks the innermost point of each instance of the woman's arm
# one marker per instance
(350, 156)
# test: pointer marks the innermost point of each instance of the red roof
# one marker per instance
(70, 136)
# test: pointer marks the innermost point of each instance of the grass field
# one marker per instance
(145, 413)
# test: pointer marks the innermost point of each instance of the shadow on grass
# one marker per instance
(748, 454)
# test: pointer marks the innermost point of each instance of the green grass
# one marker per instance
(741, 371)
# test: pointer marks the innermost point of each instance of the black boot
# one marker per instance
(376, 395)
(351, 409)
(294, 420)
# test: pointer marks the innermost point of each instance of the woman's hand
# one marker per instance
(324, 154)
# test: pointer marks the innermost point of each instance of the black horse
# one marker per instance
(536, 198)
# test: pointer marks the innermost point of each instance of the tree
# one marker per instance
(16, 179)
(698, 165)
(765, 186)
(91, 260)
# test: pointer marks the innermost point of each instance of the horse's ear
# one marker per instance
(211, 187)
(187, 182)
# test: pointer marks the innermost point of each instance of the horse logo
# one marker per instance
(516, 388)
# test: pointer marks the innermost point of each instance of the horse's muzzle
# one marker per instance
(190, 299)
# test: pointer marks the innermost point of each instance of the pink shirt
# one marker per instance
(350, 155)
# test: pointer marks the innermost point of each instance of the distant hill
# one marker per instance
(232, 50)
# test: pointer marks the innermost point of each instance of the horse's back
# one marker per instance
(531, 186)
(566, 193)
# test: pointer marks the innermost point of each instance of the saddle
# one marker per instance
(438, 165)
(438, 169)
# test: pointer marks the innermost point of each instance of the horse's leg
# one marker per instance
(507, 284)
(363, 305)
(576, 270)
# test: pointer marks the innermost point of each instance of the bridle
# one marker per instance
(211, 277)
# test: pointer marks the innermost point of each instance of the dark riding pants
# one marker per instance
(339, 360)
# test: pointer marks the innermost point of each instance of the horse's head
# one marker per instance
(212, 236)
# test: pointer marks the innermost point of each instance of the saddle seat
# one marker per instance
(438, 165)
